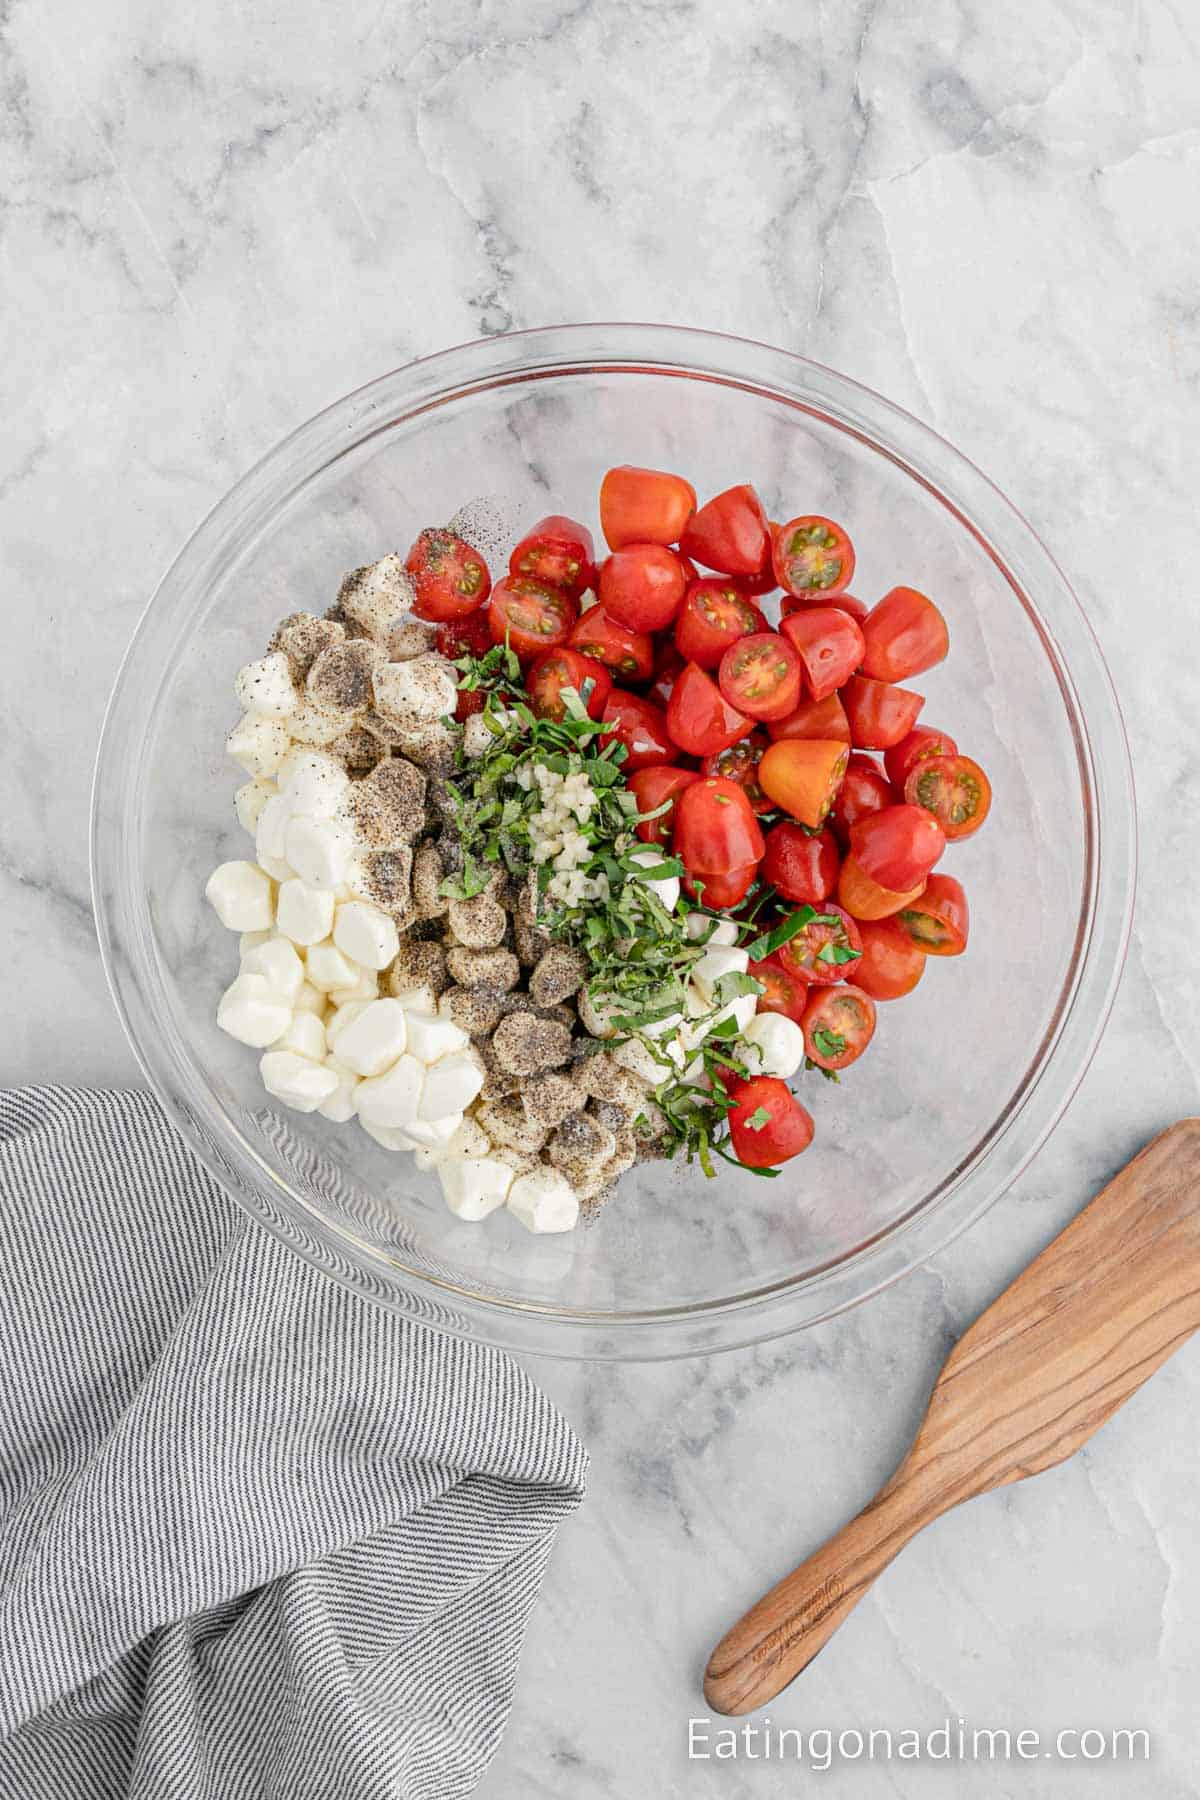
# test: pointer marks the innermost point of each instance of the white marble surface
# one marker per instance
(215, 219)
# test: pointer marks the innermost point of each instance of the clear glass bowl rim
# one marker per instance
(124, 925)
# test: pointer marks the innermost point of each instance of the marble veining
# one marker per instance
(214, 220)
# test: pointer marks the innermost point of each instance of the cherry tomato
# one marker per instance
(655, 787)
(905, 634)
(864, 790)
(718, 839)
(668, 667)
(641, 727)
(470, 701)
(829, 644)
(891, 964)
(699, 717)
(761, 675)
(954, 789)
(938, 921)
(864, 898)
(767, 1123)
(923, 741)
(813, 556)
(814, 719)
(644, 506)
(559, 669)
(847, 603)
(879, 714)
(714, 615)
(642, 586)
(469, 636)
(802, 775)
(898, 846)
(740, 763)
(826, 950)
(451, 579)
(729, 533)
(783, 992)
(557, 551)
(629, 654)
(802, 867)
(763, 582)
(838, 1025)
(534, 617)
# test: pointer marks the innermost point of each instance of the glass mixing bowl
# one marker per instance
(965, 1078)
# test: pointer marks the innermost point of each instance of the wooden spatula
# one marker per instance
(1042, 1369)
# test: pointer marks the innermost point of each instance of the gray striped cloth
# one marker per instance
(257, 1537)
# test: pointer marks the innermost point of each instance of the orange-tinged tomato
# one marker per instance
(938, 921)
(802, 775)
(644, 506)
(864, 898)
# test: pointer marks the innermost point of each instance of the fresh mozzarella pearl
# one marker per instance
(251, 1011)
(475, 1188)
(250, 940)
(666, 888)
(717, 962)
(640, 1060)
(275, 867)
(319, 850)
(661, 1027)
(295, 1080)
(432, 1134)
(303, 913)
(315, 784)
(240, 895)
(596, 1014)
(264, 688)
(543, 1200)
(279, 966)
(366, 933)
(270, 837)
(337, 1021)
(374, 1038)
(393, 1099)
(309, 999)
(365, 986)
(774, 1045)
(328, 968)
(341, 1105)
(259, 745)
(702, 928)
(387, 1135)
(379, 598)
(451, 1085)
(305, 1036)
(417, 999)
(311, 724)
(249, 801)
(423, 688)
(430, 1038)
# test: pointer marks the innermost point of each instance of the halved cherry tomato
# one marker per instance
(938, 921)
(847, 603)
(891, 963)
(644, 506)
(740, 763)
(838, 1025)
(654, 787)
(767, 1123)
(905, 634)
(864, 790)
(764, 582)
(826, 950)
(557, 551)
(469, 636)
(761, 675)
(642, 586)
(629, 654)
(803, 867)
(802, 775)
(813, 556)
(469, 702)
(954, 789)
(641, 727)
(534, 617)
(879, 714)
(898, 846)
(729, 533)
(668, 666)
(829, 644)
(699, 717)
(450, 577)
(559, 669)
(923, 741)
(814, 719)
(714, 615)
(864, 898)
(783, 991)
(718, 840)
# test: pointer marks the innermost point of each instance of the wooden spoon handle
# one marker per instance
(779, 1636)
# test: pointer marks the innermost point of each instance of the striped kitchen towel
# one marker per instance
(257, 1536)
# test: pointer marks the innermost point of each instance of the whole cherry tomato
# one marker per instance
(866, 899)
(718, 840)
(469, 636)
(847, 603)
(800, 865)
(668, 666)
(802, 775)
(654, 787)
(825, 950)
(729, 533)
(740, 763)
(642, 586)
(557, 551)
(954, 789)
(922, 741)
(531, 615)
(450, 577)
(891, 964)
(839, 1023)
(938, 921)
(904, 634)
(829, 644)
(641, 727)
(629, 654)
(865, 789)
(699, 717)
(813, 556)
(879, 714)
(714, 615)
(644, 506)
(767, 1124)
(783, 991)
(814, 719)
(898, 846)
(563, 668)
